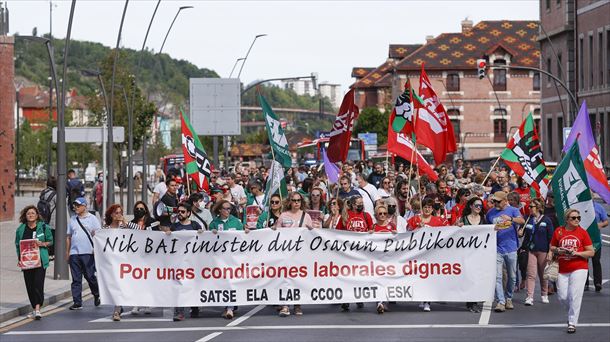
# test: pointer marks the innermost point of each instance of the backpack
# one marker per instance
(45, 210)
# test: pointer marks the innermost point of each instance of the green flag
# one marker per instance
(277, 136)
(571, 190)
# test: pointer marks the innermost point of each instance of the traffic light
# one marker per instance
(481, 68)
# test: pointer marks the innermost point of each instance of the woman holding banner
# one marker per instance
(293, 217)
(113, 219)
(572, 246)
(383, 225)
(33, 228)
(269, 217)
(332, 218)
(472, 215)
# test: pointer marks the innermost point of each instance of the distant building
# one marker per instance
(483, 112)
(332, 92)
(34, 107)
(301, 87)
(80, 111)
(575, 45)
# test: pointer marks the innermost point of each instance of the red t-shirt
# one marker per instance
(525, 198)
(388, 228)
(435, 221)
(456, 212)
(575, 240)
(356, 222)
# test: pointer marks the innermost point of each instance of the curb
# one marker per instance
(26, 308)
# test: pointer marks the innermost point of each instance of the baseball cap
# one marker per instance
(80, 201)
(499, 196)
(215, 190)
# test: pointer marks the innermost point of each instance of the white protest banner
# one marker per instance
(294, 266)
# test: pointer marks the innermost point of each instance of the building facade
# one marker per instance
(484, 112)
(575, 47)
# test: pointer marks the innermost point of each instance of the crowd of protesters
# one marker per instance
(368, 198)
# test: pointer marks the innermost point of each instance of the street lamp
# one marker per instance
(170, 26)
(247, 53)
(234, 65)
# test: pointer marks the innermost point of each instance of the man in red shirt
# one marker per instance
(354, 218)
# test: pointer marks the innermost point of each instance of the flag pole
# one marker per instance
(188, 186)
(269, 198)
(490, 170)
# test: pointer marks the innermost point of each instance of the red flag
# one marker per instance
(401, 145)
(196, 160)
(432, 126)
(341, 133)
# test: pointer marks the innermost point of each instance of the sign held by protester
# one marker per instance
(294, 266)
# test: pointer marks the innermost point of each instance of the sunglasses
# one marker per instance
(275, 202)
(478, 206)
(382, 213)
(574, 218)
(333, 203)
(295, 200)
(496, 201)
(182, 211)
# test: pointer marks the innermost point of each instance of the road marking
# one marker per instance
(606, 235)
(233, 323)
(485, 313)
(167, 317)
(305, 327)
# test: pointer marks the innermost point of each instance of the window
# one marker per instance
(593, 121)
(547, 5)
(499, 130)
(453, 82)
(500, 79)
(536, 85)
(559, 73)
(581, 65)
(453, 116)
(537, 121)
(608, 58)
(600, 50)
(548, 133)
(590, 61)
(548, 69)
(560, 132)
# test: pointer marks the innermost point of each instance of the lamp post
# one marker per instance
(94, 73)
(172, 24)
(234, 65)
(144, 138)
(247, 53)
(110, 185)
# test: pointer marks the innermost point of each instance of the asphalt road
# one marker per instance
(403, 321)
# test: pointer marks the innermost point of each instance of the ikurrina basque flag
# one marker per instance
(524, 156)
(197, 164)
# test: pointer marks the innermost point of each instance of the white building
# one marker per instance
(332, 92)
(301, 87)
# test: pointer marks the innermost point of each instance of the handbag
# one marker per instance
(551, 271)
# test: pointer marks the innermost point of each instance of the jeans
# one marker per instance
(82, 265)
(510, 261)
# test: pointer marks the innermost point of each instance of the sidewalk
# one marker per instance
(13, 296)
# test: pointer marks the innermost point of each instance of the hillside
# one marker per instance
(163, 78)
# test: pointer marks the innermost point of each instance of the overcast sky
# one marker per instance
(303, 36)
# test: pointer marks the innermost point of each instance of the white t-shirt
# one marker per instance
(161, 189)
(369, 197)
(382, 193)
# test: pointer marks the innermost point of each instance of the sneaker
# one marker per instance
(500, 307)
(37, 315)
(96, 301)
(545, 299)
(147, 310)
(135, 310)
(76, 307)
(228, 314)
(380, 308)
(509, 304)
(345, 307)
(359, 305)
(178, 317)
(426, 307)
(298, 311)
(284, 311)
(116, 316)
(598, 288)
(529, 301)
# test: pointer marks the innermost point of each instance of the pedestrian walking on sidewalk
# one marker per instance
(79, 252)
(33, 228)
(573, 247)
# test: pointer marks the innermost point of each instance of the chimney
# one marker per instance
(429, 38)
(466, 25)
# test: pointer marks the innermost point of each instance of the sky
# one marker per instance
(326, 37)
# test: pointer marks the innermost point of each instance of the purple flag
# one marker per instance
(332, 171)
(581, 130)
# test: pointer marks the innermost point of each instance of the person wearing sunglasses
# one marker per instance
(332, 218)
(507, 220)
(386, 188)
(224, 220)
(383, 225)
(472, 215)
(460, 203)
(572, 246)
(536, 239)
(269, 217)
(399, 222)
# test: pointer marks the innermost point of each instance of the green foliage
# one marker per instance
(372, 120)
(284, 98)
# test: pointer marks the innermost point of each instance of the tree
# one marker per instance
(372, 120)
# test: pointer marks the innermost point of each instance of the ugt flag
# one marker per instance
(400, 144)
(432, 126)
(341, 134)
(277, 136)
(589, 153)
(571, 190)
(198, 165)
(524, 156)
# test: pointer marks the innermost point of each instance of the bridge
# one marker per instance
(290, 111)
